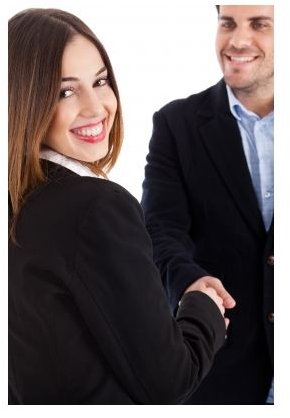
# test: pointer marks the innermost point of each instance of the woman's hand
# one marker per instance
(214, 288)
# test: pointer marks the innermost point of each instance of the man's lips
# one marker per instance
(241, 59)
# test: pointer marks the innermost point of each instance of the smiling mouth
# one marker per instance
(91, 134)
(89, 131)
(240, 59)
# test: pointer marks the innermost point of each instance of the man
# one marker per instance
(208, 200)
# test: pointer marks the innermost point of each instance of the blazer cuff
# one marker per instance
(197, 307)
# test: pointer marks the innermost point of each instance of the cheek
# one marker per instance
(56, 131)
(113, 104)
(219, 56)
(60, 122)
(218, 46)
(270, 50)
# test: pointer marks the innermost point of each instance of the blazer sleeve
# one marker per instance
(118, 291)
(167, 213)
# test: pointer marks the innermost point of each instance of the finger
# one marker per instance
(228, 301)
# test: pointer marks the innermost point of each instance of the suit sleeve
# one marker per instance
(119, 293)
(167, 216)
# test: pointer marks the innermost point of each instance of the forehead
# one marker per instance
(247, 12)
(80, 55)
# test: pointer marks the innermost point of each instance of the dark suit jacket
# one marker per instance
(203, 217)
(89, 322)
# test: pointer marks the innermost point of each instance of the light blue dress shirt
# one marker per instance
(258, 142)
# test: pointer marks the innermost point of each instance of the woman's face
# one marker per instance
(87, 105)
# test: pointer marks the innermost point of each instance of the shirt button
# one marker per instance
(271, 317)
(270, 260)
(267, 195)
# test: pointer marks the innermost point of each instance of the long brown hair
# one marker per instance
(37, 39)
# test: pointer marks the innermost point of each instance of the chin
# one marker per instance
(235, 83)
(98, 158)
(93, 157)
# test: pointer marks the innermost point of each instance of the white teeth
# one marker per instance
(90, 131)
(242, 59)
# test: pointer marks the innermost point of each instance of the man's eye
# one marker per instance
(259, 25)
(227, 25)
(65, 93)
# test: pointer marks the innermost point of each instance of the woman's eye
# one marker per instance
(101, 82)
(65, 93)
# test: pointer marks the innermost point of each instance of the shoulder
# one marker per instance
(60, 177)
(193, 102)
(65, 190)
(61, 207)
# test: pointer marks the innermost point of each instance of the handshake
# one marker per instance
(214, 288)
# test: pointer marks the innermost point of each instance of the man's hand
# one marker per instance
(214, 288)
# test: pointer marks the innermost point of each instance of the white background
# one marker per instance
(162, 50)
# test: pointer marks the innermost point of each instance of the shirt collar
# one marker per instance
(237, 109)
(73, 165)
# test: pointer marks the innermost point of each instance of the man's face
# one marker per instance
(245, 46)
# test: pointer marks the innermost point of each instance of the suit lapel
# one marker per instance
(221, 138)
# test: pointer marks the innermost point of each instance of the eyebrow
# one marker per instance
(260, 18)
(249, 19)
(101, 70)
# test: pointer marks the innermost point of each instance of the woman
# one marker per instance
(88, 319)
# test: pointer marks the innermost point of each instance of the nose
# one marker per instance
(241, 38)
(91, 105)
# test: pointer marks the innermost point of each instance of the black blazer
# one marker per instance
(89, 322)
(203, 217)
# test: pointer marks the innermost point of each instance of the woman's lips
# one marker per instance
(90, 133)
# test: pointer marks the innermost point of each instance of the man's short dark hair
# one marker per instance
(217, 7)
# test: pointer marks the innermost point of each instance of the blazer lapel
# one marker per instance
(222, 140)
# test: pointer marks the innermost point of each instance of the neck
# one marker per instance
(261, 103)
